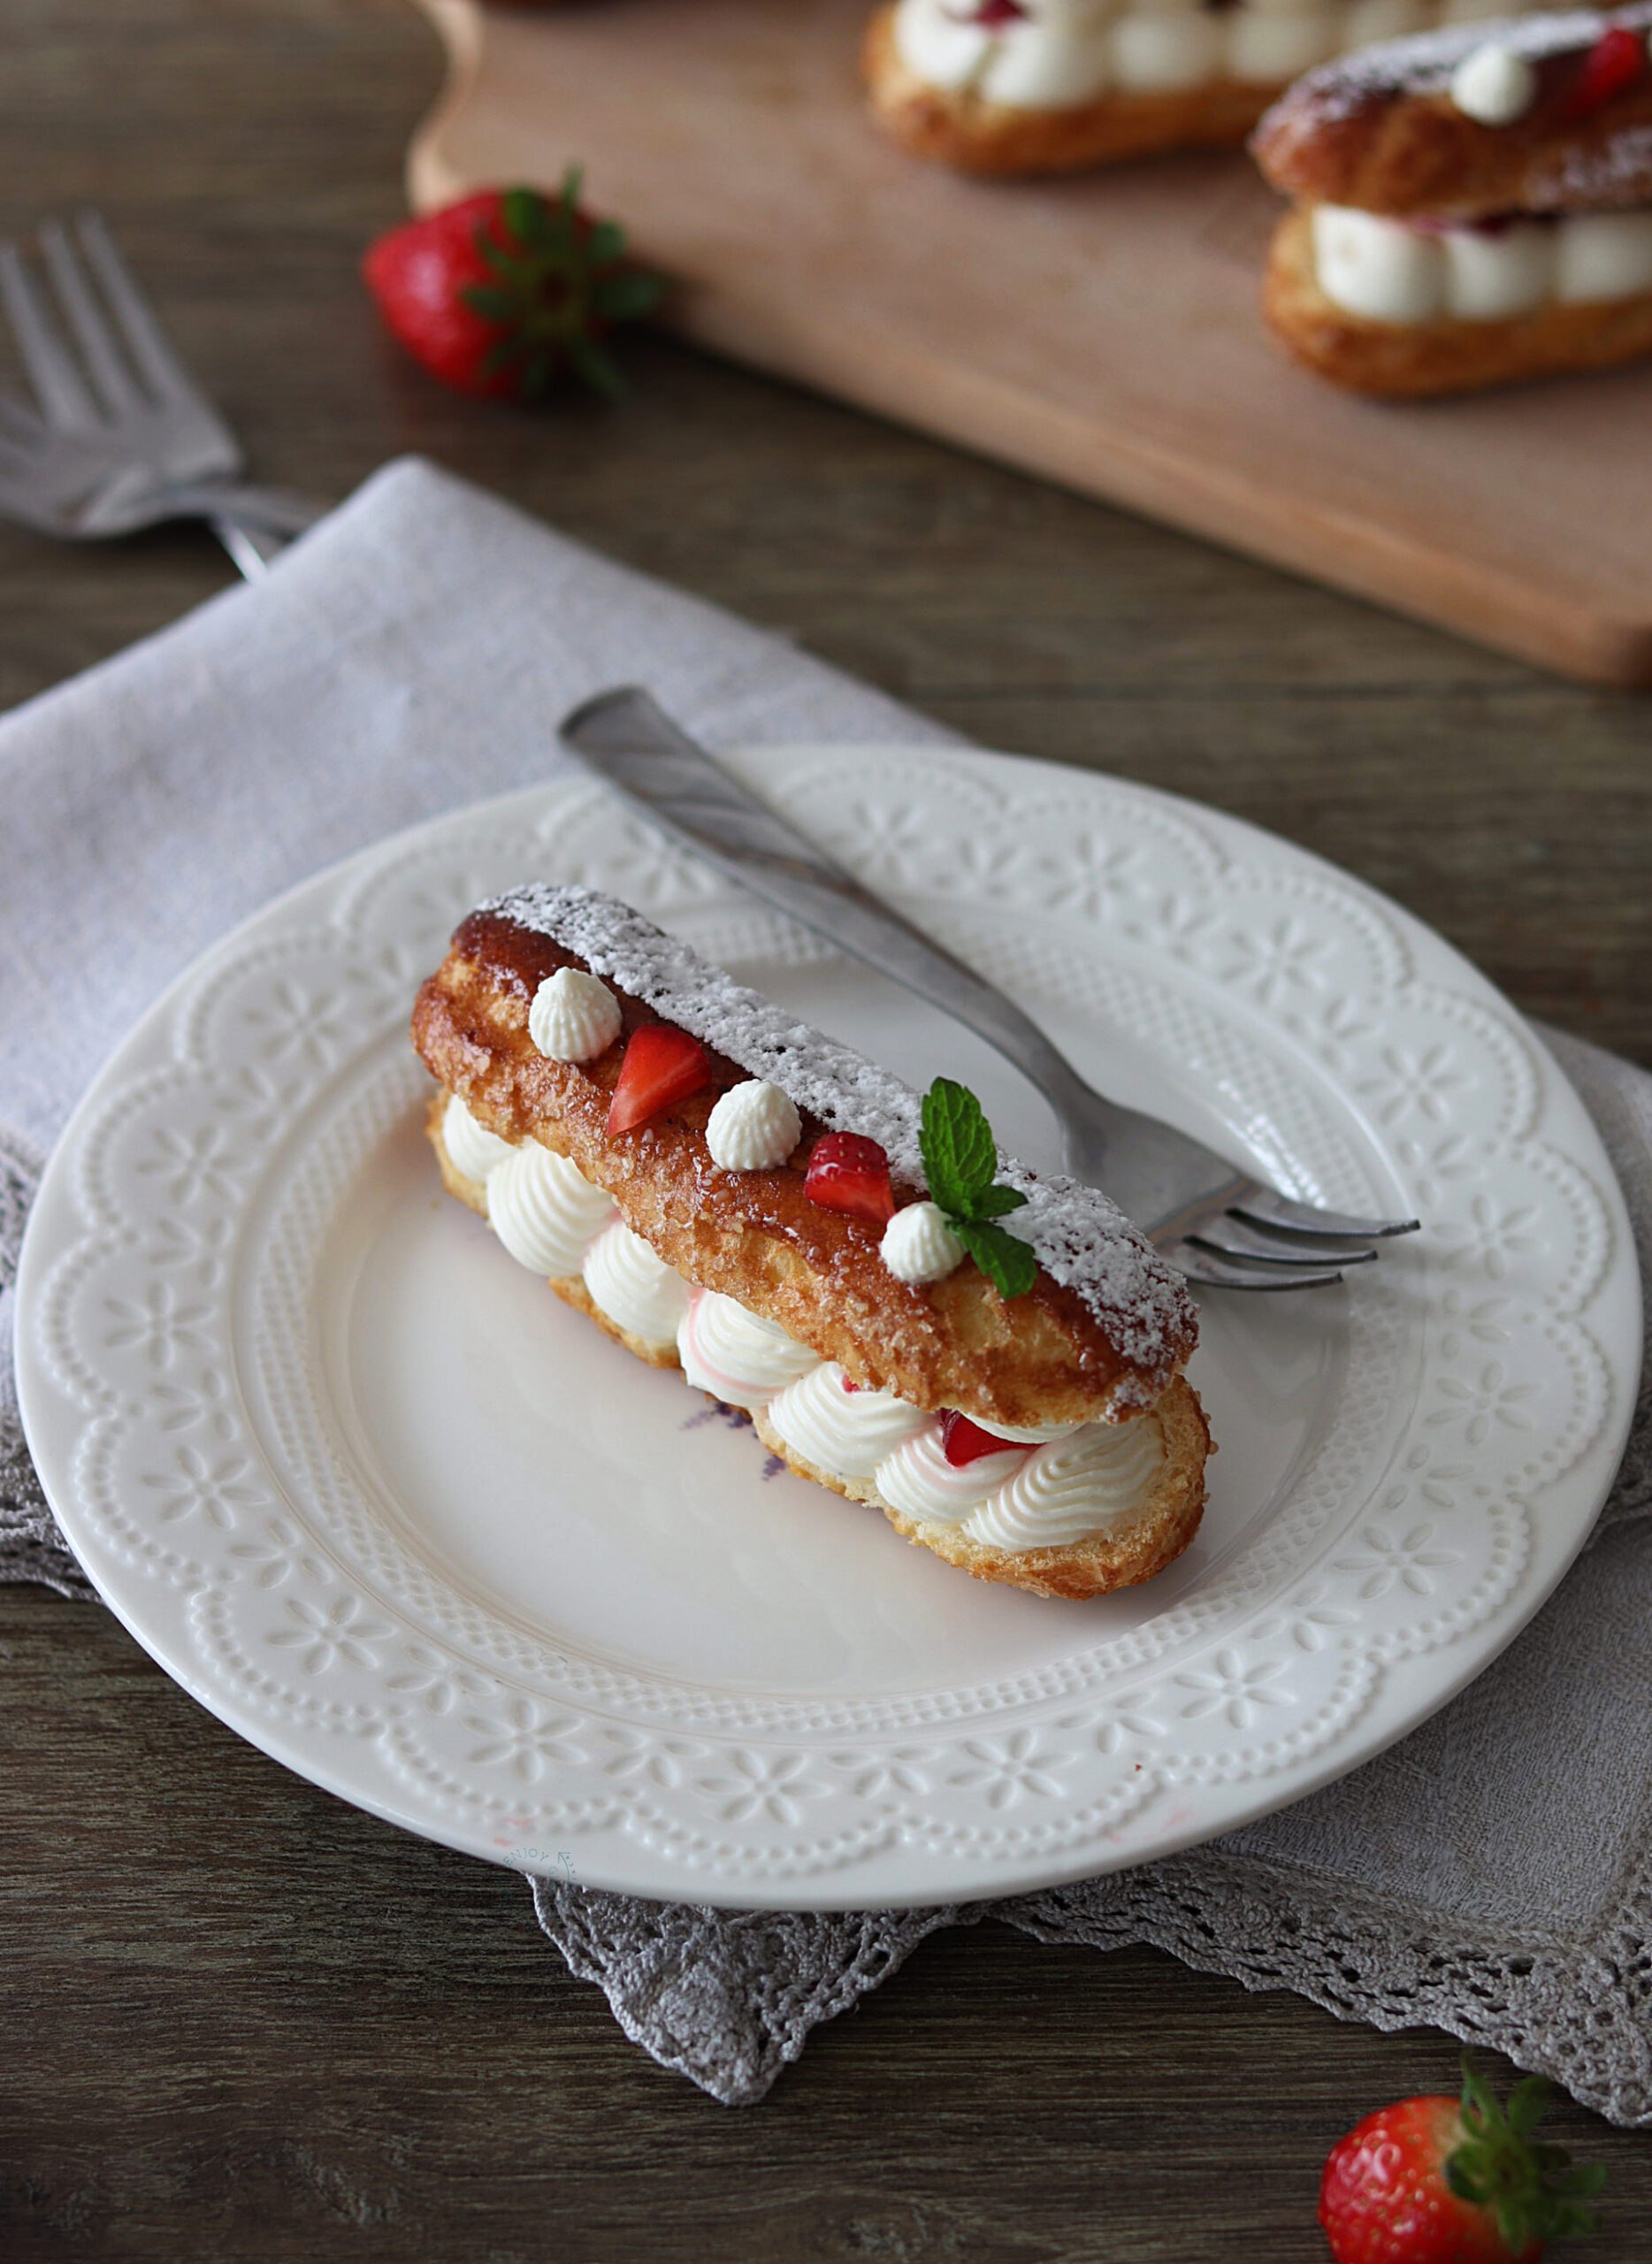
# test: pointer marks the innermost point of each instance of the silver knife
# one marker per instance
(631, 743)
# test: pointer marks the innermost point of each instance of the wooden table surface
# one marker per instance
(244, 2021)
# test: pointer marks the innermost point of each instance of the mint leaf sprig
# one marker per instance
(960, 1161)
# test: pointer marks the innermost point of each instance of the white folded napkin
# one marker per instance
(411, 655)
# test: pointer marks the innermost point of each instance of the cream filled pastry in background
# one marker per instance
(723, 1190)
(1470, 208)
(1053, 86)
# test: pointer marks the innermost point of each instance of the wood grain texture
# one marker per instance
(1103, 330)
(256, 2024)
(244, 2022)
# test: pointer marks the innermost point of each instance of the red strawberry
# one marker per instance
(1616, 61)
(506, 291)
(849, 1173)
(1452, 2181)
(661, 1064)
(963, 1441)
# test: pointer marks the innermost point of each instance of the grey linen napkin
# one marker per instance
(1490, 1875)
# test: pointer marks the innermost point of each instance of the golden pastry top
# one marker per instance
(1104, 1328)
(1380, 130)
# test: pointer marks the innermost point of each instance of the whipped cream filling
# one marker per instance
(737, 1356)
(918, 1480)
(1062, 54)
(1026, 1434)
(848, 1434)
(472, 1148)
(634, 1287)
(1406, 272)
(1054, 1483)
(1056, 1494)
(544, 1210)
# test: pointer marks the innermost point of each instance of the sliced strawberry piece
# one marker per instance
(661, 1064)
(850, 1172)
(1616, 61)
(963, 1441)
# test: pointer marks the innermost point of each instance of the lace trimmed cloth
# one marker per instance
(1491, 1874)
(31, 1547)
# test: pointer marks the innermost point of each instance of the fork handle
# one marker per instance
(276, 509)
(255, 525)
(253, 549)
(631, 743)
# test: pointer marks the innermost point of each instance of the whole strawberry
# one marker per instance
(1453, 2181)
(508, 292)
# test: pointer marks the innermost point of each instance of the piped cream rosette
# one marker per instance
(1053, 1486)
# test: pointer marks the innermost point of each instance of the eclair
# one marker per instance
(1058, 86)
(1470, 209)
(991, 1355)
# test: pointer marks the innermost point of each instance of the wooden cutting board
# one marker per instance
(1102, 332)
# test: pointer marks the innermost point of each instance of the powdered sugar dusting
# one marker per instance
(1080, 1239)
(1611, 174)
(1423, 64)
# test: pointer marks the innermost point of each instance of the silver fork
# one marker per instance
(1219, 1224)
(121, 437)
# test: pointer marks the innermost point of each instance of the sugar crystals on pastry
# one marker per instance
(1056, 86)
(1470, 209)
(991, 1356)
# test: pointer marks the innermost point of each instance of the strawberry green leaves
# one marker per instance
(960, 1161)
(510, 291)
(1534, 2189)
(560, 284)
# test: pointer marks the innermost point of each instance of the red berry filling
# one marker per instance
(1616, 61)
(661, 1064)
(963, 1441)
(849, 1384)
(1487, 224)
(849, 1173)
(996, 15)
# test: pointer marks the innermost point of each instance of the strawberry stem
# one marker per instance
(560, 282)
(1532, 2190)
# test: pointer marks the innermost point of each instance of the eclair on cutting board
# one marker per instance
(1470, 208)
(991, 1355)
(1058, 86)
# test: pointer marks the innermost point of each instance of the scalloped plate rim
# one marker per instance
(655, 1874)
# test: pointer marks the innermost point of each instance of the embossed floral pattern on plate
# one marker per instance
(703, 1689)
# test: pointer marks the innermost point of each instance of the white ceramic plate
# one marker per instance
(381, 1503)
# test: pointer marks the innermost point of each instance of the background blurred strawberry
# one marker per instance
(508, 292)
